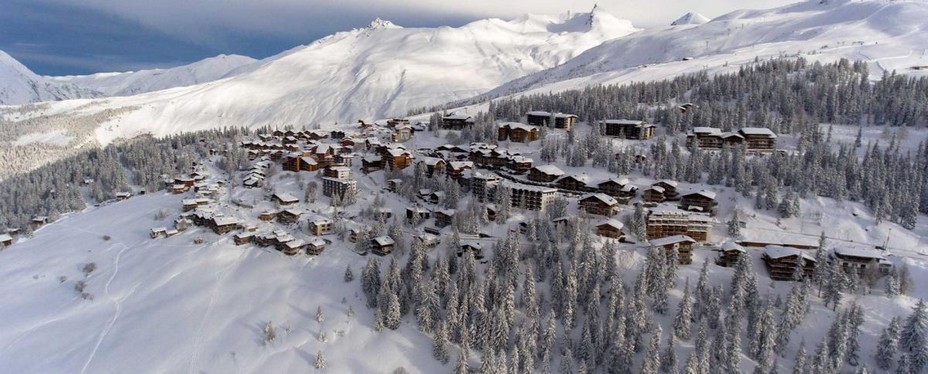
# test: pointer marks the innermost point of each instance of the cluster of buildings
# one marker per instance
(753, 139)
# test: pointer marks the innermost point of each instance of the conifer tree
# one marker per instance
(682, 323)
(888, 345)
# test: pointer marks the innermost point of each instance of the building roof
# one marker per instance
(657, 188)
(612, 223)
(225, 221)
(858, 252)
(758, 131)
(703, 193)
(777, 251)
(525, 187)
(549, 170)
(7, 237)
(285, 197)
(518, 125)
(730, 245)
(629, 122)
(619, 181)
(606, 199)
(671, 240)
(317, 242)
(459, 117)
(384, 241)
(713, 131)
(297, 243)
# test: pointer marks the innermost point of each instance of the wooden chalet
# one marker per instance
(862, 261)
(284, 199)
(315, 247)
(520, 164)
(338, 172)
(628, 129)
(288, 216)
(293, 247)
(782, 262)
(653, 194)
(517, 132)
(189, 204)
(542, 118)
(123, 195)
(545, 173)
(436, 197)
(705, 137)
(39, 221)
(382, 245)
(158, 232)
(681, 243)
(397, 158)
(320, 226)
(611, 228)
(6, 240)
(433, 165)
(267, 215)
(471, 246)
(759, 139)
(575, 182)
(428, 240)
(456, 169)
(702, 201)
(599, 204)
(457, 121)
(243, 238)
(395, 122)
(670, 189)
(371, 163)
(666, 221)
(297, 163)
(417, 212)
(444, 217)
(222, 225)
(729, 254)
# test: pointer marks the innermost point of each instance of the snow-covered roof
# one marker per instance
(758, 131)
(619, 181)
(704, 193)
(549, 170)
(538, 113)
(657, 188)
(671, 240)
(777, 251)
(858, 252)
(602, 197)
(714, 131)
(285, 197)
(225, 221)
(612, 223)
(396, 152)
(383, 241)
(459, 117)
(447, 212)
(431, 161)
(517, 125)
(668, 182)
(317, 242)
(155, 230)
(461, 164)
(295, 243)
(525, 187)
(730, 245)
(292, 212)
(189, 202)
(630, 122)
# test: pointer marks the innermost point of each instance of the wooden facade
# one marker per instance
(681, 243)
(782, 262)
(517, 132)
(628, 129)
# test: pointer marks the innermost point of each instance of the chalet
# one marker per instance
(284, 199)
(483, 186)
(444, 217)
(599, 204)
(670, 189)
(861, 260)
(654, 194)
(315, 247)
(332, 187)
(702, 201)
(628, 129)
(171, 232)
(529, 197)
(783, 262)
(457, 121)
(457, 168)
(520, 164)
(287, 216)
(186, 181)
(382, 245)
(759, 139)
(267, 215)
(729, 254)
(401, 134)
(297, 163)
(397, 158)
(545, 173)
(517, 132)
(666, 221)
(250, 228)
(541, 118)
(337, 134)
(320, 226)
(618, 188)
(611, 228)
(371, 163)
(491, 212)
(428, 240)
(576, 182)
(123, 195)
(705, 138)
(38, 221)
(394, 184)
(473, 247)
(417, 214)
(243, 238)
(394, 122)
(436, 197)
(681, 243)
(189, 204)
(338, 172)
(179, 188)
(293, 247)
(383, 214)
(433, 165)
(157, 232)
(222, 225)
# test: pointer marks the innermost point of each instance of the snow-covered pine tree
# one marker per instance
(888, 345)
(682, 323)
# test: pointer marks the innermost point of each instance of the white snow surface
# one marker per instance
(19, 85)
(135, 82)
(888, 35)
(690, 18)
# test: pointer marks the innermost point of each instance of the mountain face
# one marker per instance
(19, 85)
(131, 83)
(888, 35)
(376, 71)
(690, 19)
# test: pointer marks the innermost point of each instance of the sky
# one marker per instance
(65, 37)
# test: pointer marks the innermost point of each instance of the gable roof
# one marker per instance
(549, 170)
(612, 223)
(671, 240)
(777, 251)
(606, 199)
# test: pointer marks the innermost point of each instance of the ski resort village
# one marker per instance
(755, 209)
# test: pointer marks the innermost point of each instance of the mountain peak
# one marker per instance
(690, 18)
(379, 23)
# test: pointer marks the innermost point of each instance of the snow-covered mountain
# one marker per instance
(371, 72)
(136, 82)
(690, 18)
(888, 35)
(19, 85)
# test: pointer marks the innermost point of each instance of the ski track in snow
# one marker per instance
(217, 291)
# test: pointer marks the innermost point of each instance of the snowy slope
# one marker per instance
(131, 83)
(19, 85)
(690, 19)
(365, 73)
(889, 35)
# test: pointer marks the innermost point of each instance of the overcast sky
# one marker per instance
(56, 37)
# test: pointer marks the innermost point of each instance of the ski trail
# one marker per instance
(198, 340)
(117, 304)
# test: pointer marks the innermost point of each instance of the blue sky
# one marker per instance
(59, 37)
